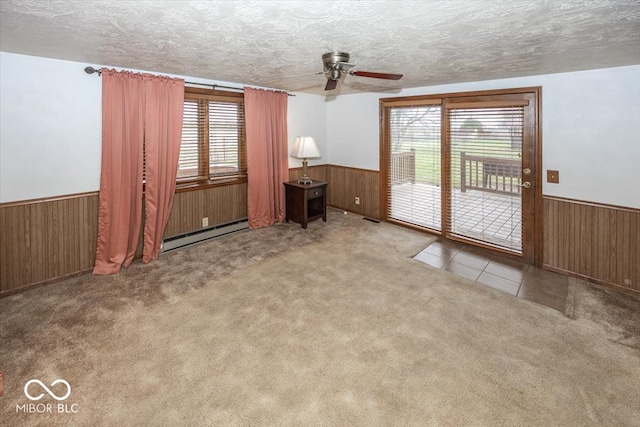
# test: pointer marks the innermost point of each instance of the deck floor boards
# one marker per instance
(490, 217)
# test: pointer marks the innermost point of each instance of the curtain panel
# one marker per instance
(267, 158)
(141, 133)
(120, 207)
(164, 99)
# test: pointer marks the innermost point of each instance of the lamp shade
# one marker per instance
(304, 147)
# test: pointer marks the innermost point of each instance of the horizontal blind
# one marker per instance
(213, 136)
(226, 137)
(485, 174)
(189, 160)
(414, 165)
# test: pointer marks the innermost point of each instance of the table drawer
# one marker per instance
(314, 193)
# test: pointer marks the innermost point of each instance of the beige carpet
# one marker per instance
(335, 325)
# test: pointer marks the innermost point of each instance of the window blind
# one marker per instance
(189, 160)
(213, 137)
(485, 173)
(225, 139)
(414, 165)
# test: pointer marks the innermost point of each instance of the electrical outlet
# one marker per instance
(357, 201)
(205, 221)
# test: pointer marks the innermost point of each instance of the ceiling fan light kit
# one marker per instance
(336, 64)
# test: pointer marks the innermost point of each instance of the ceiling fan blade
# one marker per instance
(331, 84)
(386, 76)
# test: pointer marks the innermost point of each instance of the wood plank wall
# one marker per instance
(219, 204)
(597, 242)
(48, 239)
(348, 183)
(345, 184)
(45, 239)
(318, 173)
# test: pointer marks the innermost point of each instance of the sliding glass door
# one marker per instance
(465, 166)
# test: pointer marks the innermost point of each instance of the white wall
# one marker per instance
(590, 130)
(308, 117)
(51, 124)
(353, 130)
(50, 129)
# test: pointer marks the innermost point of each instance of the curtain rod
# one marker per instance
(91, 70)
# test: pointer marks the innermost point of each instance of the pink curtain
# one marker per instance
(120, 208)
(267, 161)
(141, 113)
(164, 100)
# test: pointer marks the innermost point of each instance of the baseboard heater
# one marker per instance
(192, 237)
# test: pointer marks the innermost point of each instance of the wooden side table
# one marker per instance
(306, 202)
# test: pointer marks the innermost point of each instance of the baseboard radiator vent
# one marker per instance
(193, 237)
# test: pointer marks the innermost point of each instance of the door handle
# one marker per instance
(526, 184)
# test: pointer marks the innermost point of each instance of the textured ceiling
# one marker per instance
(279, 44)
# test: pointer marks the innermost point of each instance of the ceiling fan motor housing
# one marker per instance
(336, 66)
(332, 64)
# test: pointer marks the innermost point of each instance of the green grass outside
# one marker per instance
(428, 164)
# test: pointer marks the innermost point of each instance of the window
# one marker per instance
(213, 138)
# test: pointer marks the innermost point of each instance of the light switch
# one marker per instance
(553, 176)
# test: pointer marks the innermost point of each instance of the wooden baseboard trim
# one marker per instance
(356, 213)
(48, 199)
(46, 282)
(609, 285)
(353, 169)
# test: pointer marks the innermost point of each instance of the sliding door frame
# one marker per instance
(535, 128)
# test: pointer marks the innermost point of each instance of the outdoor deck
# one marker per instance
(482, 215)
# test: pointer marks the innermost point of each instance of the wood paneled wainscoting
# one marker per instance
(345, 184)
(349, 183)
(220, 204)
(45, 239)
(596, 242)
(48, 239)
(316, 173)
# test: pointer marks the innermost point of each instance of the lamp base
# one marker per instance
(305, 179)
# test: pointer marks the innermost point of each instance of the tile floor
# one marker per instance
(487, 268)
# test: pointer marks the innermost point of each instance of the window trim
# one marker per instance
(204, 180)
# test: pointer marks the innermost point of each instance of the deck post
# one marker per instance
(463, 171)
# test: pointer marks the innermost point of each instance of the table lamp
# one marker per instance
(305, 147)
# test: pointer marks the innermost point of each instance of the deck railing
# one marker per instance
(403, 167)
(490, 174)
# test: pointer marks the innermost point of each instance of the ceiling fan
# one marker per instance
(336, 66)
